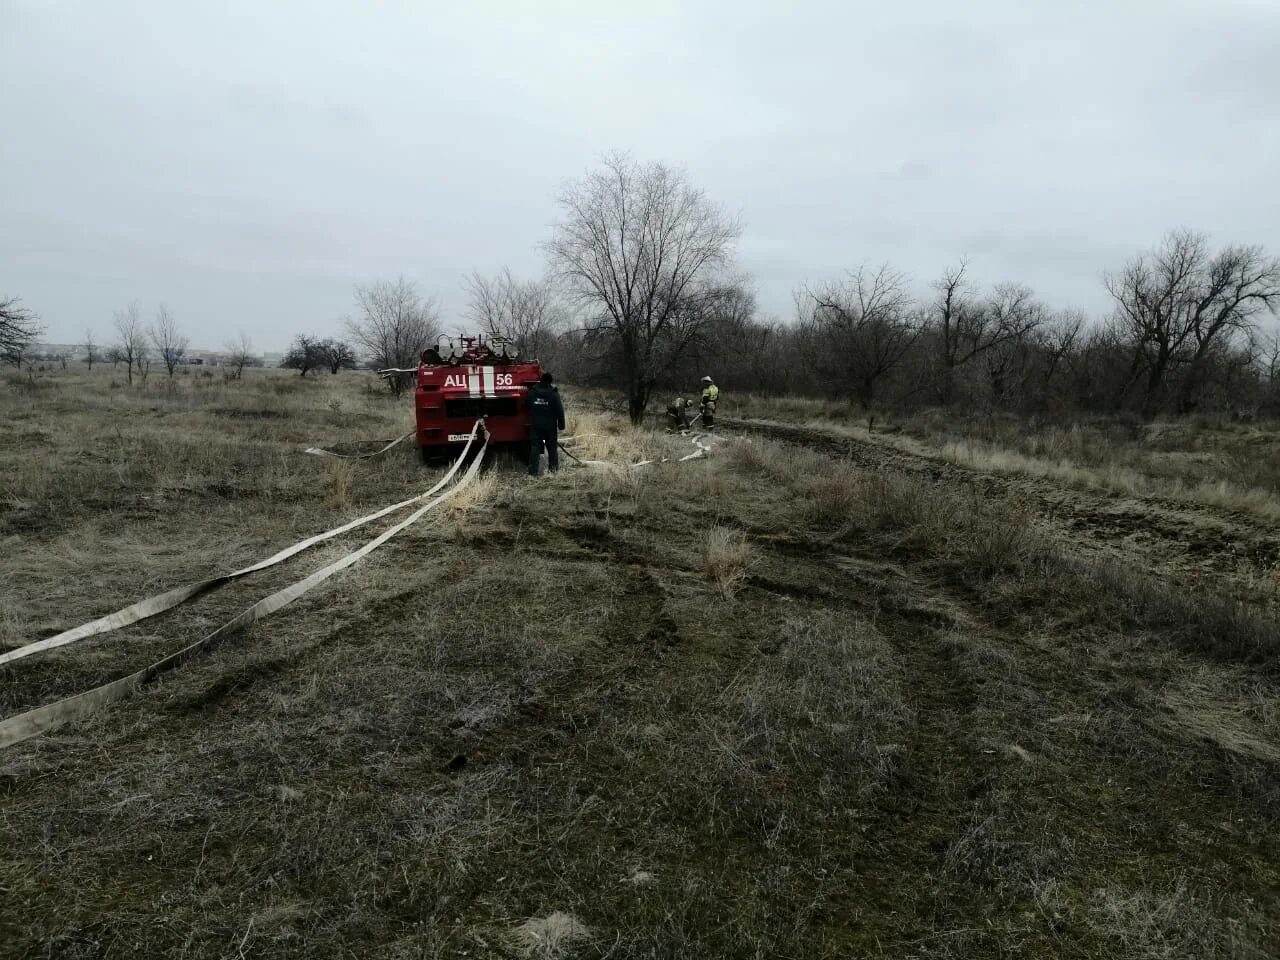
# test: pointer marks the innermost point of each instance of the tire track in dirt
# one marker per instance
(954, 753)
(634, 649)
(1033, 741)
(1185, 542)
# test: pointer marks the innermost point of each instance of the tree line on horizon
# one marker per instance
(641, 294)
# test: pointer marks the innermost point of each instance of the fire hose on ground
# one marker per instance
(322, 452)
(33, 722)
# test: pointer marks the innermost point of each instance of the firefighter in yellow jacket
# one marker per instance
(710, 394)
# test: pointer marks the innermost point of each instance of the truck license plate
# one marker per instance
(459, 437)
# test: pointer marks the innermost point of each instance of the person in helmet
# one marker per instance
(710, 394)
(546, 416)
(677, 414)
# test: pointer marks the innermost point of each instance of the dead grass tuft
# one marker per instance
(726, 559)
(339, 477)
(1172, 923)
(599, 436)
(550, 936)
(481, 490)
(773, 460)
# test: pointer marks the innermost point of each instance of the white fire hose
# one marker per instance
(33, 722)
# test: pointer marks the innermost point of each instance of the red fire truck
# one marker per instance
(464, 378)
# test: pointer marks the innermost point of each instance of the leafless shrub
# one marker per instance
(337, 354)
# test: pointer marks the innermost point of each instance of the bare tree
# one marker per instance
(1058, 339)
(525, 311)
(337, 354)
(859, 329)
(1014, 312)
(966, 326)
(168, 340)
(1267, 354)
(394, 327)
(239, 354)
(305, 354)
(639, 246)
(131, 344)
(90, 349)
(729, 342)
(18, 328)
(1180, 303)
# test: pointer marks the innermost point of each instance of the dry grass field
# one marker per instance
(936, 691)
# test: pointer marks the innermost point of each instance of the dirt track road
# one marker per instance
(1193, 544)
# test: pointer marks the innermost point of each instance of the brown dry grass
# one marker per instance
(727, 559)
(1208, 461)
(925, 726)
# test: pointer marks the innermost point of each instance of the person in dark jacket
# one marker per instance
(546, 414)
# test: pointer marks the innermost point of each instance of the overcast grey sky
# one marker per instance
(248, 163)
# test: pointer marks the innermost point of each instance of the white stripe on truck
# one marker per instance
(490, 387)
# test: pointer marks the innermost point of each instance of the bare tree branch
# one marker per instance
(527, 312)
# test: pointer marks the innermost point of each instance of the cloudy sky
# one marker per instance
(247, 163)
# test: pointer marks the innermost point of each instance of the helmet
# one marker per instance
(706, 379)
